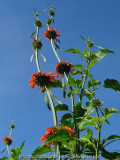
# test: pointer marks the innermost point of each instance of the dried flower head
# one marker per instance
(41, 79)
(63, 67)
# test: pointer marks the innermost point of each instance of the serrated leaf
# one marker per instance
(32, 34)
(41, 150)
(110, 110)
(79, 66)
(113, 84)
(72, 92)
(93, 62)
(32, 57)
(109, 138)
(76, 72)
(93, 82)
(57, 99)
(74, 50)
(101, 53)
(61, 107)
(47, 101)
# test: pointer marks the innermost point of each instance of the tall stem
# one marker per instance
(55, 50)
(55, 119)
(37, 62)
(8, 151)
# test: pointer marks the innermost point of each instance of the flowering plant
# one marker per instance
(65, 138)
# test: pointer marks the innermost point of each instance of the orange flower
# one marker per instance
(41, 79)
(50, 130)
(63, 67)
(8, 140)
(51, 34)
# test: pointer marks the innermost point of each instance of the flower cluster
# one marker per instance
(8, 140)
(50, 130)
(41, 79)
(51, 34)
(63, 67)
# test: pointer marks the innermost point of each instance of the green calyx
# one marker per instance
(48, 21)
(36, 14)
(8, 142)
(36, 44)
(42, 80)
(38, 23)
(63, 68)
(12, 126)
(51, 13)
(89, 43)
(95, 102)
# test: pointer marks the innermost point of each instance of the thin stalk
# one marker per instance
(98, 138)
(8, 151)
(55, 119)
(37, 62)
(10, 133)
(55, 51)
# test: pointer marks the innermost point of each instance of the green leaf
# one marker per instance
(90, 75)
(110, 110)
(79, 83)
(93, 82)
(57, 46)
(41, 150)
(101, 53)
(4, 158)
(78, 66)
(65, 116)
(86, 53)
(71, 81)
(109, 138)
(103, 115)
(110, 155)
(74, 50)
(57, 99)
(22, 145)
(89, 133)
(76, 72)
(59, 136)
(64, 151)
(93, 62)
(82, 38)
(62, 107)
(88, 93)
(113, 84)
(44, 59)
(47, 101)
(32, 34)
(3, 150)
(16, 152)
(32, 57)
(75, 91)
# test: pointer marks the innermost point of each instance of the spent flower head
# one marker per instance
(36, 43)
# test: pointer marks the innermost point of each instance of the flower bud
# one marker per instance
(95, 102)
(12, 126)
(51, 13)
(38, 23)
(48, 21)
(36, 44)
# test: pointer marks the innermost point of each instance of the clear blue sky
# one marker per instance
(98, 19)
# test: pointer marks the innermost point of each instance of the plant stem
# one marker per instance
(55, 51)
(8, 151)
(55, 119)
(37, 62)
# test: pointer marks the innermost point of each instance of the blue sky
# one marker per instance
(97, 19)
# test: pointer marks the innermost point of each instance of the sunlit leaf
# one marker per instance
(31, 59)
(32, 34)
(47, 101)
(79, 66)
(74, 50)
(57, 99)
(93, 82)
(93, 62)
(71, 81)
(82, 38)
